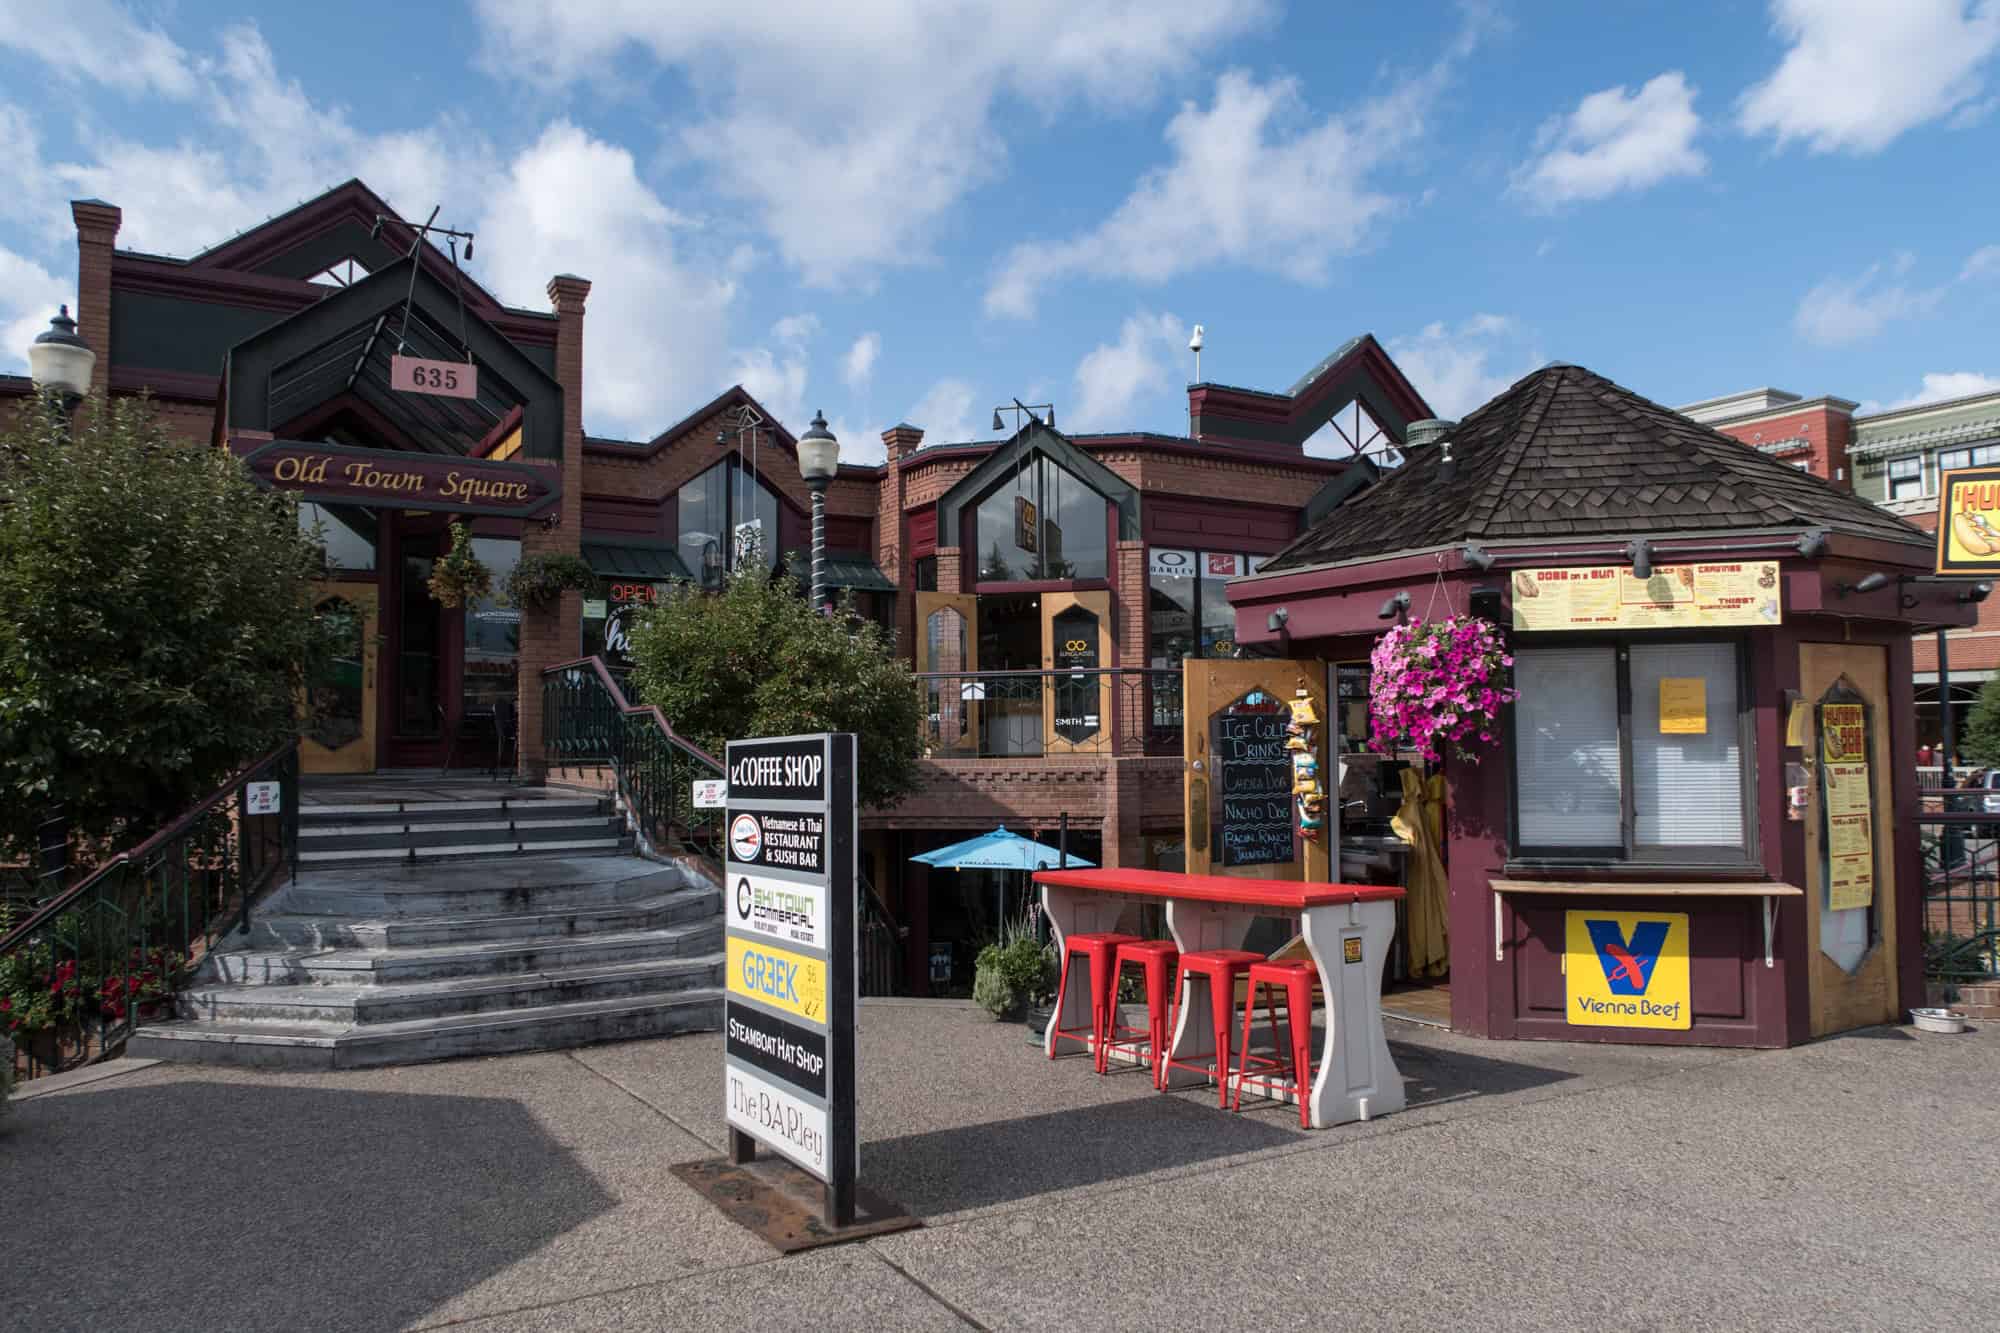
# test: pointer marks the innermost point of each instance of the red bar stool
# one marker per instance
(1296, 978)
(1098, 949)
(1158, 958)
(1221, 967)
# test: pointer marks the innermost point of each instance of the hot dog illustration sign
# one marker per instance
(791, 951)
(1968, 528)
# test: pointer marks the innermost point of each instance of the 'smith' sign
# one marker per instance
(447, 379)
(791, 950)
(344, 474)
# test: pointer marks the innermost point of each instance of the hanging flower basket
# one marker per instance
(1439, 684)
(460, 577)
(539, 580)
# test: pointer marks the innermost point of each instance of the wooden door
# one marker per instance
(948, 643)
(1238, 801)
(1864, 991)
(338, 729)
(1076, 642)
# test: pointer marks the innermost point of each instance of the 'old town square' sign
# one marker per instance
(337, 474)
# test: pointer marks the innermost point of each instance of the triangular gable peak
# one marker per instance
(1048, 442)
(1359, 371)
(326, 233)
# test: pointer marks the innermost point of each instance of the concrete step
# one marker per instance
(392, 838)
(278, 932)
(541, 1027)
(425, 812)
(504, 885)
(353, 1006)
(327, 834)
(483, 851)
(371, 967)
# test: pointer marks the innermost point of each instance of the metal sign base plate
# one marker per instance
(784, 1206)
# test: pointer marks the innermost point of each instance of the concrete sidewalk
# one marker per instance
(1843, 1184)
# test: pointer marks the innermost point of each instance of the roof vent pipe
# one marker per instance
(1428, 431)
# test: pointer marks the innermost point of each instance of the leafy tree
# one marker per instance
(155, 621)
(755, 660)
(1981, 738)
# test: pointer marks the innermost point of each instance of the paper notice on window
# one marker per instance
(1683, 706)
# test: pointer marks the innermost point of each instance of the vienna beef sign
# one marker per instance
(342, 474)
(791, 950)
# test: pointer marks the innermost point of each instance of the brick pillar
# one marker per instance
(555, 635)
(96, 234)
(892, 552)
(949, 569)
(1130, 696)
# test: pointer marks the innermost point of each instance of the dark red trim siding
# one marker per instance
(1257, 529)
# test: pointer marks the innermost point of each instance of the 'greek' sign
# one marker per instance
(791, 951)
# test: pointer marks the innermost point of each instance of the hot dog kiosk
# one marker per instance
(1697, 822)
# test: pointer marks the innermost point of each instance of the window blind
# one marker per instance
(1566, 765)
(1687, 787)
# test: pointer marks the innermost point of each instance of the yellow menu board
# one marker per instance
(1850, 817)
(1738, 592)
(1683, 706)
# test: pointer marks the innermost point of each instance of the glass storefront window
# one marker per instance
(1188, 611)
(710, 509)
(607, 622)
(492, 630)
(346, 531)
(1041, 523)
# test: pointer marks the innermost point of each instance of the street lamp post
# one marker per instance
(60, 362)
(819, 457)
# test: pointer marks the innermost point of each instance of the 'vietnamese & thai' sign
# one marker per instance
(1741, 592)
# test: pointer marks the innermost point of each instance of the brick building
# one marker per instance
(1047, 586)
(1895, 457)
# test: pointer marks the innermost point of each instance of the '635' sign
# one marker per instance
(448, 379)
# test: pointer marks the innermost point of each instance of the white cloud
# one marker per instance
(1859, 73)
(1846, 310)
(945, 413)
(1939, 388)
(98, 41)
(850, 129)
(1112, 377)
(1453, 367)
(1983, 263)
(29, 295)
(1253, 180)
(858, 367)
(567, 202)
(1615, 140)
(796, 329)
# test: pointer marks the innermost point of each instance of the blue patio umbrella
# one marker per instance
(998, 850)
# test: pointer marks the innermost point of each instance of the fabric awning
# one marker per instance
(636, 561)
(844, 569)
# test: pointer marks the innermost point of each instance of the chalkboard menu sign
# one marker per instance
(1252, 777)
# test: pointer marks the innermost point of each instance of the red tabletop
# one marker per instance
(1288, 895)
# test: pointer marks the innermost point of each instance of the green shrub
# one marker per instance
(1014, 971)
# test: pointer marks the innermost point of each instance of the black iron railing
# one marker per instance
(1033, 714)
(1960, 837)
(589, 724)
(86, 964)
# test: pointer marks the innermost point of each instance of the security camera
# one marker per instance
(1194, 342)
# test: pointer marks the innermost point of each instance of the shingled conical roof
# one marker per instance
(1567, 453)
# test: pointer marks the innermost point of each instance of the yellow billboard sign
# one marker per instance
(1703, 596)
(778, 978)
(1626, 969)
(1968, 522)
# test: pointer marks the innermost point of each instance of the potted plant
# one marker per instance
(1041, 1008)
(1437, 684)
(1009, 973)
(538, 580)
(460, 577)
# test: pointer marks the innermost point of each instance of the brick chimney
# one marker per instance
(892, 553)
(97, 226)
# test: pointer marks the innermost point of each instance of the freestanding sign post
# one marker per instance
(792, 942)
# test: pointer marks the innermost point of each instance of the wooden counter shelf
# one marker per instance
(1769, 890)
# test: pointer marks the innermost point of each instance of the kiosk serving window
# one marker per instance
(1631, 749)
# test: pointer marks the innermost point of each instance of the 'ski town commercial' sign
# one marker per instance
(792, 947)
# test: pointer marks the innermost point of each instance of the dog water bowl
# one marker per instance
(1938, 1020)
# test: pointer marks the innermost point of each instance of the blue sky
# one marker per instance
(916, 209)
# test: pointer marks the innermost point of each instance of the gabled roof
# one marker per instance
(734, 396)
(1037, 438)
(1567, 453)
(1359, 370)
